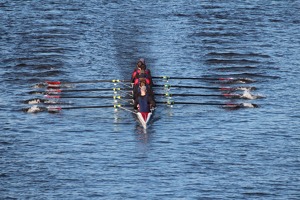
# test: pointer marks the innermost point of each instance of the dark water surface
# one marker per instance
(188, 152)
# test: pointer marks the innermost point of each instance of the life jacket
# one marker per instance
(144, 105)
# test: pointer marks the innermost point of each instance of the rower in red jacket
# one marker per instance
(144, 102)
(141, 65)
(140, 80)
(142, 76)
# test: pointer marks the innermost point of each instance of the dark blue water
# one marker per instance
(188, 152)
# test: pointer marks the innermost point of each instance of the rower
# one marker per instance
(141, 65)
(144, 102)
(140, 79)
(147, 71)
(142, 75)
(137, 88)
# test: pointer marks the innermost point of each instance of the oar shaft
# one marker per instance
(243, 88)
(120, 97)
(88, 81)
(81, 107)
(193, 87)
(57, 91)
(55, 109)
(199, 95)
(224, 105)
(190, 103)
(79, 97)
(82, 97)
(189, 78)
(225, 79)
(84, 107)
(83, 90)
(58, 84)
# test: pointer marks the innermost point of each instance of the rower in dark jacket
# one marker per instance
(144, 102)
(137, 88)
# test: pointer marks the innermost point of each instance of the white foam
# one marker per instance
(34, 109)
(34, 101)
(248, 105)
(248, 95)
(243, 88)
(50, 102)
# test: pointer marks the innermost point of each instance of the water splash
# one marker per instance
(33, 109)
(248, 95)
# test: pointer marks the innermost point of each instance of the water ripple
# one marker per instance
(188, 152)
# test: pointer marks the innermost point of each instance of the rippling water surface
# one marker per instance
(188, 152)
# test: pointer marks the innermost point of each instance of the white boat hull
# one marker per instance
(144, 118)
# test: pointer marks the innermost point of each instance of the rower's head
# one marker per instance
(141, 63)
(142, 80)
(145, 80)
(143, 67)
(144, 89)
(142, 83)
(142, 60)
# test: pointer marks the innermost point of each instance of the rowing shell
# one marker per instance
(144, 118)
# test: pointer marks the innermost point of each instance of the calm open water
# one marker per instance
(188, 152)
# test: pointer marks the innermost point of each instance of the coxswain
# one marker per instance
(141, 65)
(147, 71)
(144, 102)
